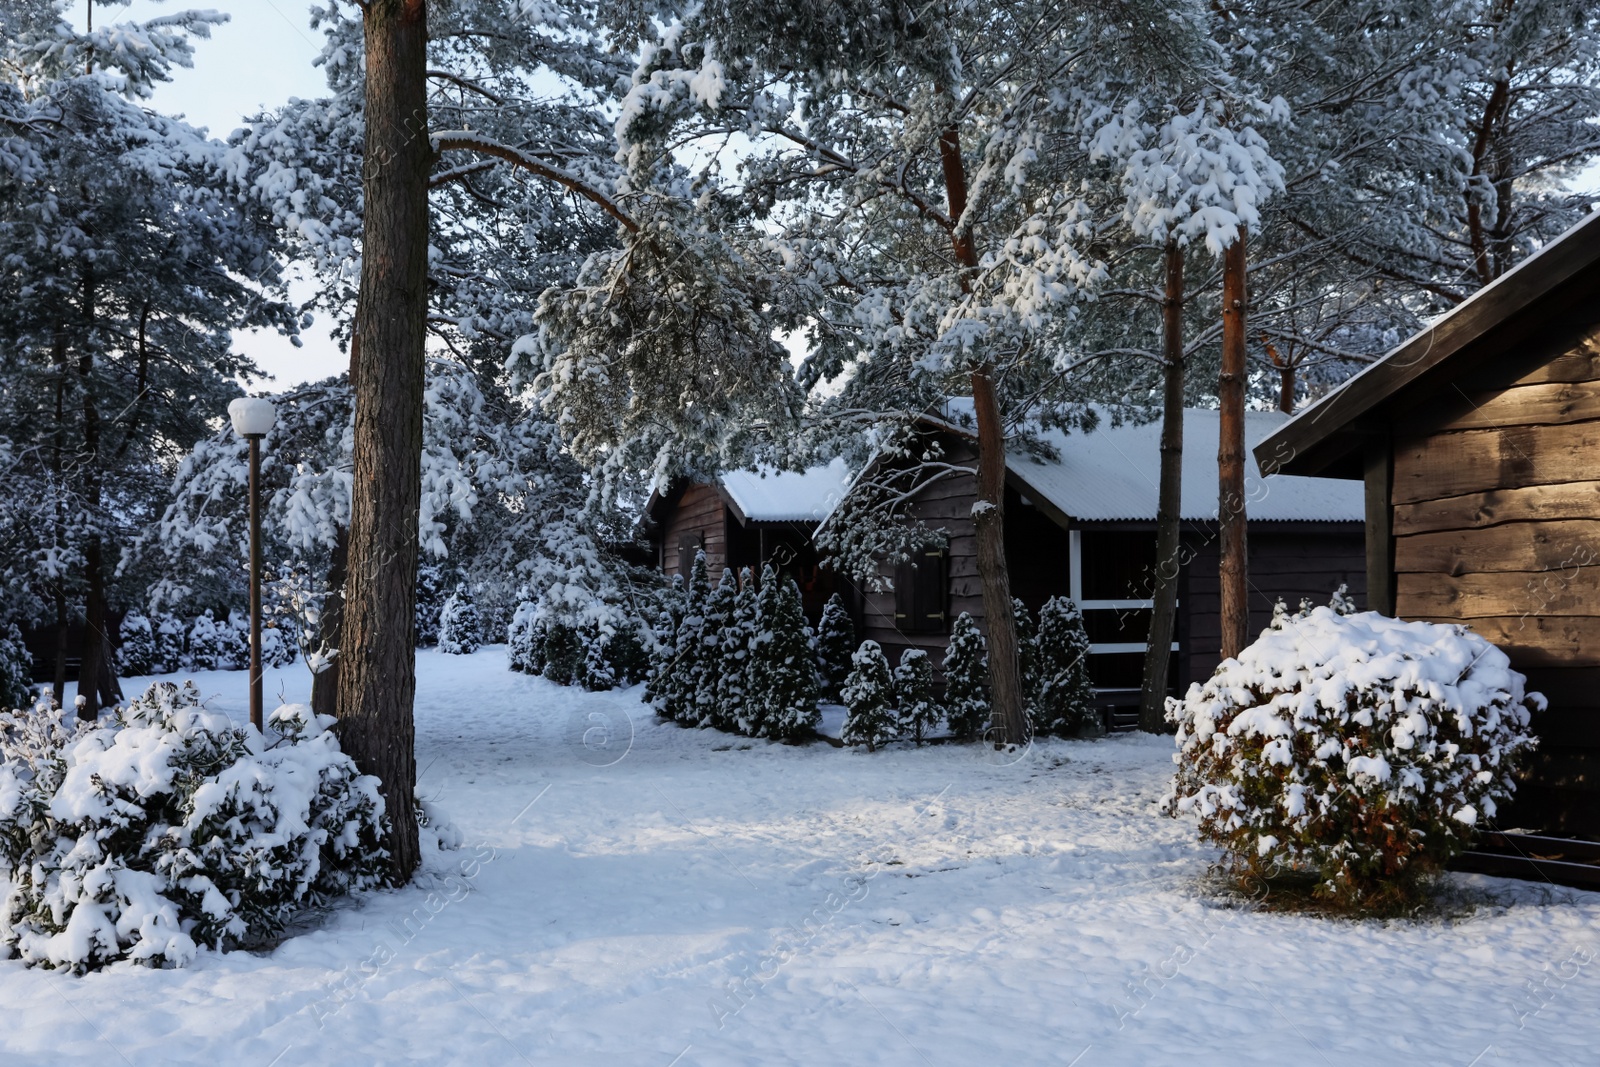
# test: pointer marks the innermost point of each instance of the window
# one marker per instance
(919, 593)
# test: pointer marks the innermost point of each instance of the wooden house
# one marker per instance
(748, 519)
(1478, 445)
(1082, 524)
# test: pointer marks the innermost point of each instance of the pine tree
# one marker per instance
(966, 679)
(599, 669)
(734, 690)
(136, 656)
(680, 682)
(564, 654)
(459, 629)
(869, 695)
(913, 688)
(430, 604)
(787, 668)
(836, 642)
(16, 668)
(718, 616)
(1027, 657)
(752, 719)
(169, 644)
(205, 643)
(1066, 695)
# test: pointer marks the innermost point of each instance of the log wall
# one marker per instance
(1496, 515)
(700, 511)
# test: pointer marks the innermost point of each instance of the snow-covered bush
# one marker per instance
(174, 828)
(16, 668)
(1027, 655)
(678, 687)
(869, 697)
(564, 654)
(1357, 748)
(1063, 700)
(169, 654)
(836, 643)
(136, 655)
(525, 639)
(734, 685)
(783, 668)
(279, 648)
(233, 642)
(459, 632)
(207, 645)
(718, 616)
(966, 679)
(430, 603)
(913, 689)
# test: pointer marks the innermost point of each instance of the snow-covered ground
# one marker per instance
(641, 894)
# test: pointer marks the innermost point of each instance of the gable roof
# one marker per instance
(1326, 438)
(1112, 474)
(767, 495)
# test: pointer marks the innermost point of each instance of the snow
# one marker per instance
(1113, 473)
(767, 495)
(712, 900)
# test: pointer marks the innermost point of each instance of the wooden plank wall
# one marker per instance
(1284, 562)
(1497, 525)
(947, 504)
(700, 510)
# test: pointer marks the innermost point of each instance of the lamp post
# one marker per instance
(252, 417)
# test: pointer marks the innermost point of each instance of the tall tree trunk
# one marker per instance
(63, 640)
(377, 678)
(1164, 595)
(1008, 722)
(94, 667)
(1233, 576)
(1286, 388)
(1494, 113)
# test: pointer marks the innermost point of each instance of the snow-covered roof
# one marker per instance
(766, 495)
(1113, 472)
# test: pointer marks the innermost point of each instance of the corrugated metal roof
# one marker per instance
(766, 495)
(1112, 474)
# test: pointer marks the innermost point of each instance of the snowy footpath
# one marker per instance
(633, 893)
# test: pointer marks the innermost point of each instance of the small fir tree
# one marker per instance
(788, 669)
(1027, 656)
(869, 697)
(1065, 704)
(752, 717)
(520, 630)
(913, 689)
(719, 615)
(279, 648)
(169, 635)
(663, 655)
(459, 630)
(966, 679)
(16, 668)
(680, 684)
(136, 656)
(564, 654)
(233, 642)
(734, 687)
(599, 670)
(430, 604)
(205, 643)
(836, 642)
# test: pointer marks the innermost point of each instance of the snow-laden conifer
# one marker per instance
(913, 690)
(966, 679)
(734, 687)
(712, 659)
(136, 655)
(459, 629)
(679, 679)
(16, 668)
(1065, 701)
(870, 718)
(836, 643)
(784, 667)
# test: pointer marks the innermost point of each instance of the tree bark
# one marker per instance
(1233, 576)
(377, 678)
(1164, 593)
(1008, 723)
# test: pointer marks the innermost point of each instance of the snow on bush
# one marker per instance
(869, 695)
(913, 689)
(966, 679)
(174, 828)
(459, 631)
(1358, 748)
(136, 655)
